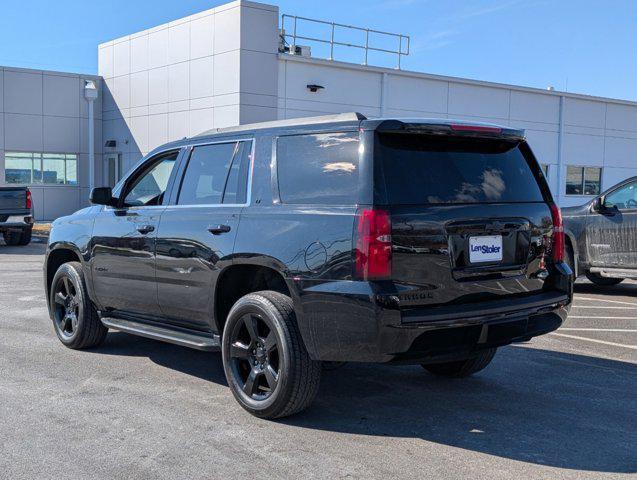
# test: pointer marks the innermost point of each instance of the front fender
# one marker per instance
(56, 252)
(72, 234)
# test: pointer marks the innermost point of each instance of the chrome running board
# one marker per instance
(191, 340)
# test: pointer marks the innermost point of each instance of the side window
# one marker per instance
(149, 188)
(624, 198)
(237, 185)
(216, 174)
(319, 168)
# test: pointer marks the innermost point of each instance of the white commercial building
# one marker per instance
(44, 136)
(224, 67)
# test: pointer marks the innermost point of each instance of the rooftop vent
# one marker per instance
(300, 50)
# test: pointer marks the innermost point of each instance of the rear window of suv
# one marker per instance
(318, 168)
(424, 169)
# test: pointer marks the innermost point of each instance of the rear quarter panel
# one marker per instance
(310, 247)
(303, 243)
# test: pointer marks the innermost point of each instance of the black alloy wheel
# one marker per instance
(267, 366)
(67, 307)
(74, 316)
(254, 353)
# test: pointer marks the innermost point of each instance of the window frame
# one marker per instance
(142, 168)
(583, 183)
(40, 156)
(185, 160)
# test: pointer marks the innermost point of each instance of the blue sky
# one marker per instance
(584, 46)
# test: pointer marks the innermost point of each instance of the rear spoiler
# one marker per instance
(452, 128)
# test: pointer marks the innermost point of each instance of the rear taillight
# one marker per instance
(373, 245)
(29, 202)
(557, 245)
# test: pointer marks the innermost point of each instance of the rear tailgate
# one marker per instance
(13, 200)
(470, 218)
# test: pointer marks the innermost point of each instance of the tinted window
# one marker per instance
(424, 169)
(237, 184)
(319, 169)
(213, 169)
(150, 187)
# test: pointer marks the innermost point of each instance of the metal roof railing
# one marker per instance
(403, 40)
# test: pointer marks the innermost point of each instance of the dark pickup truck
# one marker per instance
(291, 244)
(16, 216)
(601, 235)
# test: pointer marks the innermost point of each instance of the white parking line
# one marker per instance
(604, 307)
(613, 344)
(605, 300)
(602, 318)
(598, 330)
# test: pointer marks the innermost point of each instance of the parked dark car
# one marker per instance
(16, 215)
(338, 239)
(601, 238)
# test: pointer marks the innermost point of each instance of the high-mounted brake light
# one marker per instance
(475, 128)
(558, 243)
(373, 245)
(29, 202)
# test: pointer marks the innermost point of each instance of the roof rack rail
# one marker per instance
(340, 117)
(340, 35)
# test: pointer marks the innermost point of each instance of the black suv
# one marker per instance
(330, 239)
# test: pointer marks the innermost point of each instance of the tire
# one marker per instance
(18, 238)
(597, 279)
(11, 238)
(265, 361)
(462, 368)
(75, 319)
(25, 237)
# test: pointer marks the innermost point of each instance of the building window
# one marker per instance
(583, 180)
(40, 168)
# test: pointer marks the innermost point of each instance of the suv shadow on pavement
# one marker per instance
(35, 248)
(567, 411)
(623, 289)
(204, 365)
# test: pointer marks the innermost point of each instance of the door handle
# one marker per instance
(219, 229)
(145, 229)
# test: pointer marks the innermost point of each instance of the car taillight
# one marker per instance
(29, 202)
(557, 246)
(373, 245)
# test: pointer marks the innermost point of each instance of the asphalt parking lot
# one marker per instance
(561, 406)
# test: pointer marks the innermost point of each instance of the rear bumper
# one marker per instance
(8, 222)
(355, 322)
